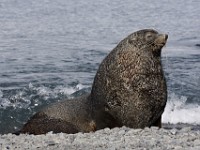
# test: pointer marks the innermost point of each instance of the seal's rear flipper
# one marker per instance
(16, 133)
(42, 124)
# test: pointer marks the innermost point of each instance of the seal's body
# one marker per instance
(129, 85)
(68, 116)
(129, 89)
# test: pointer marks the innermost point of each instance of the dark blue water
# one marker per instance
(51, 50)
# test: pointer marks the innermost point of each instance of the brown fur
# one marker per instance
(129, 89)
(68, 116)
(130, 84)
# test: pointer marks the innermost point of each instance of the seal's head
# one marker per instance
(148, 38)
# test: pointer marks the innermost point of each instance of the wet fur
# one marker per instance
(130, 84)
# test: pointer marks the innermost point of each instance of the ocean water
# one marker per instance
(51, 50)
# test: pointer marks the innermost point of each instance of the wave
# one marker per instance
(179, 111)
(32, 96)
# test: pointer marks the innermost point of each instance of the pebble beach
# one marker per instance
(51, 50)
(109, 139)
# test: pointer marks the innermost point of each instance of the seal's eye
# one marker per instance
(149, 36)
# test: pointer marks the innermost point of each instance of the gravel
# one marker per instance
(111, 139)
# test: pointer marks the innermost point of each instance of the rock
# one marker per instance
(111, 139)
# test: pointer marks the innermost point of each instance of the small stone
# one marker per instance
(138, 130)
(186, 129)
(178, 147)
(51, 143)
(196, 142)
(163, 131)
(154, 128)
(146, 128)
(122, 132)
(173, 131)
(107, 129)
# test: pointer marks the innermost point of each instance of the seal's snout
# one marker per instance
(161, 39)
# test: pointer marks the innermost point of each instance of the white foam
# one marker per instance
(69, 90)
(4, 103)
(16, 101)
(23, 98)
(66, 90)
(177, 111)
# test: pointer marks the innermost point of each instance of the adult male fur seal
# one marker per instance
(130, 86)
(129, 89)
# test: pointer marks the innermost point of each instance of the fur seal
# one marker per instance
(129, 85)
(129, 89)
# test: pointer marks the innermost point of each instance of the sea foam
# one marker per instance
(178, 111)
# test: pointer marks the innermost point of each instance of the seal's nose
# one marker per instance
(166, 36)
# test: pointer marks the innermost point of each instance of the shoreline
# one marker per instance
(116, 138)
(179, 126)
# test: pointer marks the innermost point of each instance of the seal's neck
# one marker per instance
(157, 53)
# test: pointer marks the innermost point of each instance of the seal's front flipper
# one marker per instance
(158, 122)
